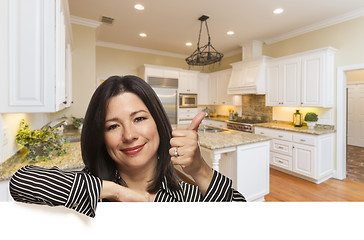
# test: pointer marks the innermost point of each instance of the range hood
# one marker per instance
(248, 76)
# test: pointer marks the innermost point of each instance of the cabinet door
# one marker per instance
(312, 80)
(291, 82)
(35, 42)
(303, 160)
(274, 85)
(213, 81)
(187, 82)
(203, 89)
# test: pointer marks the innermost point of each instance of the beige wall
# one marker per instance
(355, 76)
(83, 71)
(111, 61)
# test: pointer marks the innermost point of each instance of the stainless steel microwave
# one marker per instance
(187, 100)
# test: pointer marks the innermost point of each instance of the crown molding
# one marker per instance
(85, 22)
(319, 25)
(138, 49)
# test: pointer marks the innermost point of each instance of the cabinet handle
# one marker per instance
(302, 140)
(280, 147)
(280, 136)
(280, 161)
(65, 102)
(262, 133)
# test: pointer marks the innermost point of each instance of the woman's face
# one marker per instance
(131, 135)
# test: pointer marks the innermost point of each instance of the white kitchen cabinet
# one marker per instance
(304, 155)
(188, 82)
(246, 165)
(218, 85)
(253, 168)
(35, 63)
(284, 78)
(304, 79)
(203, 86)
(160, 72)
(185, 115)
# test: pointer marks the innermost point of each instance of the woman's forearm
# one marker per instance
(203, 177)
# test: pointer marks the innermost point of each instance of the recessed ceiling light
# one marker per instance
(139, 7)
(278, 11)
(230, 33)
(142, 34)
(188, 44)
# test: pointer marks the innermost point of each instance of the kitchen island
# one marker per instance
(241, 156)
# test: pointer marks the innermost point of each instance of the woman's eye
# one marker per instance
(139, 119)
(111, 127)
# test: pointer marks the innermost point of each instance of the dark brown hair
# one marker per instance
(94, 153)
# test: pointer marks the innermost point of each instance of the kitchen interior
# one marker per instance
(256, 97)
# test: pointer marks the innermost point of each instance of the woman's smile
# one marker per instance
(133, 150)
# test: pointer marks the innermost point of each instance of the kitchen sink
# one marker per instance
(211, 129)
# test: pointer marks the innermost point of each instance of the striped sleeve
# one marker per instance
(54, 187)
(220, 190)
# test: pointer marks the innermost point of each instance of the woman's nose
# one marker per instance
(129, 133)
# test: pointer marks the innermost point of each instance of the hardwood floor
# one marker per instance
(287, 188)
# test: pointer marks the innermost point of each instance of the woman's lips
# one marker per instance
(132, 150)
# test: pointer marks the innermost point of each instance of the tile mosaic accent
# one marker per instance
(254, 105)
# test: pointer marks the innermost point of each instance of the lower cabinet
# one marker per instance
(304, 155)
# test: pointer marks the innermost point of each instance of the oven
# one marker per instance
(187, 100)
(239, 126)
(245, 125)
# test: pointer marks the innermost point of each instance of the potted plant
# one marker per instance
(311, 119)
(42, 144)
(78, 123)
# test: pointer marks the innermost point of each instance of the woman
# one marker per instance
(129, 149)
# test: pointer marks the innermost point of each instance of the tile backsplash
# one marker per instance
(254, 105)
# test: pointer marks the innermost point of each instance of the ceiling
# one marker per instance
(169, 24)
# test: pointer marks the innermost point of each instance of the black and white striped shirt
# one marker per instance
(81, 191)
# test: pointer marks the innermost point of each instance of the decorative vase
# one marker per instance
(311, 125)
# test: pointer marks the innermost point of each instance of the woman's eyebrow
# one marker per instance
(131, 115)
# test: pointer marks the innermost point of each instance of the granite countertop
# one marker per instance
(73, 159)
(229, 138)
(288, 126)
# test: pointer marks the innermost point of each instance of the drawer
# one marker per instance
(304, 139)
(282, 147)
(264, 131)
(282, 135)
(186, 116)
(281, 160)
(188, 111)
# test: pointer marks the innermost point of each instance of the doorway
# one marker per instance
(342, 118)
(355, 125)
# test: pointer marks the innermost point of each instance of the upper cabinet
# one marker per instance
(305, 79)
(218, 89)
(188, 81)
(36, 61)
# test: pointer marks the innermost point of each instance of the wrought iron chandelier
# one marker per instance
(206, 54)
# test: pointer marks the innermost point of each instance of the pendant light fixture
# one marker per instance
(206, 54)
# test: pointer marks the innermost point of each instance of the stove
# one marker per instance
(245, 125)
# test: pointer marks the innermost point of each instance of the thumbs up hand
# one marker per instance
(185, 151)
